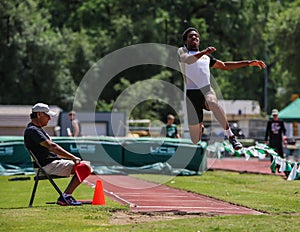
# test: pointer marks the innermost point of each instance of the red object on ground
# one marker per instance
(99, 198)
(82, 171)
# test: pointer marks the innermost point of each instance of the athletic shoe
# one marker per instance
(235, 144)
(67, 199)
(72, 200)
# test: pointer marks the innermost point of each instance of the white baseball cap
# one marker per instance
(41, 107)
(274, 112)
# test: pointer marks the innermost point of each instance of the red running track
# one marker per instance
(143, 196)
(253, 165)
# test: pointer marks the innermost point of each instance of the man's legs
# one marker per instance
(217, 110)
(196, 132)
(65, 168)
(279, 150)
(72, 185)
(220, 115)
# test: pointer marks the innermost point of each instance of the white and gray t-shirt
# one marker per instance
(198, 74)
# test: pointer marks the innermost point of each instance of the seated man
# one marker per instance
(52, 157)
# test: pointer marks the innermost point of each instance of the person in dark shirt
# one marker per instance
(275, 134)
(170, 129)
(52, 157)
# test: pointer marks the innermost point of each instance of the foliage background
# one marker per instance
(46, 46)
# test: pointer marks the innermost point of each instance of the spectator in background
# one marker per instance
(75, 129)
(275, 134)
(170, 129)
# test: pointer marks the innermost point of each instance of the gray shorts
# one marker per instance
(60, 167)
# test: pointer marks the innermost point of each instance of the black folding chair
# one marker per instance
(42, 175)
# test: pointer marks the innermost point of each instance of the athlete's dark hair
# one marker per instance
(184, 34)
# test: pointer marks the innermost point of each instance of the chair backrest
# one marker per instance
(35, 160)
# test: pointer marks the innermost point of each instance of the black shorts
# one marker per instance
(195, 103)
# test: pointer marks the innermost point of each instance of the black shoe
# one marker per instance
(67, 199)
(235, 144)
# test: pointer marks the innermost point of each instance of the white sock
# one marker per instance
(229, 133)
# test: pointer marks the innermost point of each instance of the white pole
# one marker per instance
(186, 133)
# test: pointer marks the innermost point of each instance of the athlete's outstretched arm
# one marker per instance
(230, 65)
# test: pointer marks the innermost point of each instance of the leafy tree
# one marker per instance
(284, 36)
(47, 46)
(34, 69)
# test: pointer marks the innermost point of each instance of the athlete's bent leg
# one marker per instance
(217, 110)
(196, 132)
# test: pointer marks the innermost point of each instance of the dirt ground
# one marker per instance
(126, 217)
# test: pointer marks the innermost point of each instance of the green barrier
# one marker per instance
(178, 155)
(7, 139)
(14, 153)
(110, 151)
(98, 153)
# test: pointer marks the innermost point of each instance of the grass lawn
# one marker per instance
(278, 198)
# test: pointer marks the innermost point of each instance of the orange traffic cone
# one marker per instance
(99, 198)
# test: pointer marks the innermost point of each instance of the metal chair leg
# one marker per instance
(34, 188)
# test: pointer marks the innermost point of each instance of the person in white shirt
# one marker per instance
(195, 66)
(75, 130)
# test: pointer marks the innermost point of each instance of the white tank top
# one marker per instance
(197, 74)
